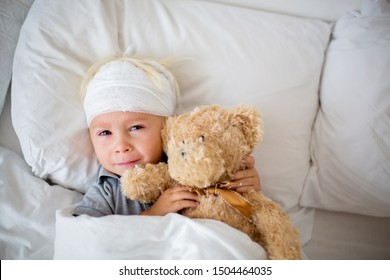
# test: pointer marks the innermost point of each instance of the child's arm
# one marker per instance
(173, 200)
(248, 178)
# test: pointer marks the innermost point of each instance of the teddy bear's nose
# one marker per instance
(183, 154)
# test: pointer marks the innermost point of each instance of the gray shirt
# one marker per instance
(105, 197)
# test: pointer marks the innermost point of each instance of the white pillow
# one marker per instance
(351, 141)
(12, 15)
(236, 55)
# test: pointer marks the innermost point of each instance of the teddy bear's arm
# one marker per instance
(146, 183)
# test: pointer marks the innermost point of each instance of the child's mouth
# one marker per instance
(129, 164)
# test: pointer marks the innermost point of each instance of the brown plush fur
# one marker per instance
(204, 147)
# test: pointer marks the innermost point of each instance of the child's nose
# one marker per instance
(122, 146)
(122, 150)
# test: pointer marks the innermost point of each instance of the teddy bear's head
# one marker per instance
(206, 145)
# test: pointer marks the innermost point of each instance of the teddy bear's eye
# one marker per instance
(201, 138)
(183, 142)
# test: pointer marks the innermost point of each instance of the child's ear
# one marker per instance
(249, 121)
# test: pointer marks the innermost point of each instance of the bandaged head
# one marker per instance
(131, 85)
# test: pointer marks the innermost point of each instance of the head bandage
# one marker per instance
(121, 86)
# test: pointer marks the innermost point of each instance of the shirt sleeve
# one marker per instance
(98, 201)
(106, 198)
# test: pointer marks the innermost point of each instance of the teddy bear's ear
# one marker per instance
(248, 119)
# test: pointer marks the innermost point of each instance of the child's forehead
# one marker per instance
(111, 118)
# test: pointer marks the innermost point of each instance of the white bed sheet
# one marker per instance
(12, 14)
(345, 236)
(8, 137)
(27, 210)
(149, 237)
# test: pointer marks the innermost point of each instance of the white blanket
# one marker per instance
(145, 237)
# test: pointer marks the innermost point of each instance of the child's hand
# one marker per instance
(173, 200)
(248, 178)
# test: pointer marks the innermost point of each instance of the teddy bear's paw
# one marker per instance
(144, 183)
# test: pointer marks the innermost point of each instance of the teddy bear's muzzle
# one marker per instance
(196, 166)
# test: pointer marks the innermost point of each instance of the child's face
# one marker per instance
(124, 139)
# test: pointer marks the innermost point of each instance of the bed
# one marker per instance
(316, 70)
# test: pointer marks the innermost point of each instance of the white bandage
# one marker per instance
(121, 86)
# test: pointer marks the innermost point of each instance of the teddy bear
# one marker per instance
(204, 148)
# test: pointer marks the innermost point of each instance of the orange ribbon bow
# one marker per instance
(232, 198)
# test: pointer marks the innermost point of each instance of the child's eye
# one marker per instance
(104, 133)
(136, 127)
